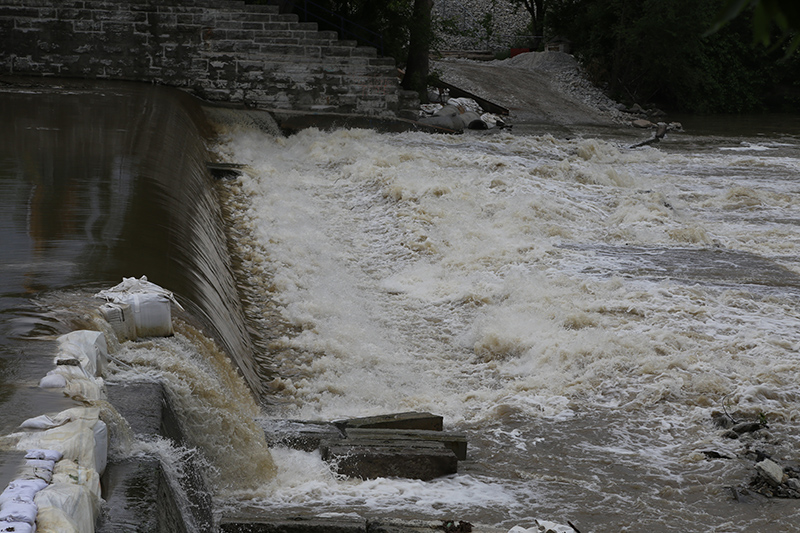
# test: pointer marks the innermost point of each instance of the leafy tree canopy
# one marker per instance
(662, 51)
(785, 14)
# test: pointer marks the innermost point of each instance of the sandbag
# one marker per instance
(152, 315)
(18, 511)
(67, 471)
(66, 507)
(22, 490)
(88, 347)
(150, 303)
(49, 455)
(80, 436)
(38, 469)
(17, 527)
(75, 381)
(53, 381)
(120, 317)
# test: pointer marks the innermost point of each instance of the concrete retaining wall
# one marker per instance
(220, 50)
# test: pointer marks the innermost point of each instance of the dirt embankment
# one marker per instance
(538, 87)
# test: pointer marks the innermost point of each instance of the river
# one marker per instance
(579, 309)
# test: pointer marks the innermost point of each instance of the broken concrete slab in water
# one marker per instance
(407, 420)
(456, 442)
(372, 459)
(411, 445)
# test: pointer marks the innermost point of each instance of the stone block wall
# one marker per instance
(221, 50)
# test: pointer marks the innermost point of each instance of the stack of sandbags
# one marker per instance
(18, 509)
(79, 365)
(58, 489)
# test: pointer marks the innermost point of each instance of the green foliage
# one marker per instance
(661, 51)
(783, 14)
(389, 18)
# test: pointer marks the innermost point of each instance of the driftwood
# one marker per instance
(661, 131)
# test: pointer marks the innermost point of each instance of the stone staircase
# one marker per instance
(221, 50)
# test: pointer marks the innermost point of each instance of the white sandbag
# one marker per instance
(86, 389)
(88, 347)
(66, 507)
(53, 381)
(150, 304)
(152, 315)
(100, 431)
(37, 469)
(81, 437)
(40, 422)
(77, 383)
(67, 471)
(17, 527)
(121, 292)
(49, 455)
(120, 317)
(22, 490)
(59, 419)
(70, 371)
(18, 511)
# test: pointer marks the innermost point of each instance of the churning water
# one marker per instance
(579, 309)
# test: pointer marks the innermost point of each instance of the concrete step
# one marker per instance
(287, 17)
(365, 51)
(261, 8)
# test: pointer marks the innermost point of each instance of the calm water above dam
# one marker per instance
(578, 309)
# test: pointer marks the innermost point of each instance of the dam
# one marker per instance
(582, 312)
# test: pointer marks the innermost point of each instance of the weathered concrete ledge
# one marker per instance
(137, 491)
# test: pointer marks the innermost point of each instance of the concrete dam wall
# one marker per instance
(219, 50)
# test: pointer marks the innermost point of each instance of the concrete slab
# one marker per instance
(409, 420)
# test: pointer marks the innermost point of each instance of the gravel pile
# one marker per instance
(568, 77)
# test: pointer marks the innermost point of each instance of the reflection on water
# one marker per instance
(109, 183)
(99, 183)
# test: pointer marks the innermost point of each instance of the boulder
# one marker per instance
(771, 471)
(642, 123)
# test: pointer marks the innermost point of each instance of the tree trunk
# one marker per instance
(536, 10)
(416, 77)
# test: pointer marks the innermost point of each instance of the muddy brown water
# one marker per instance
(104, 182)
